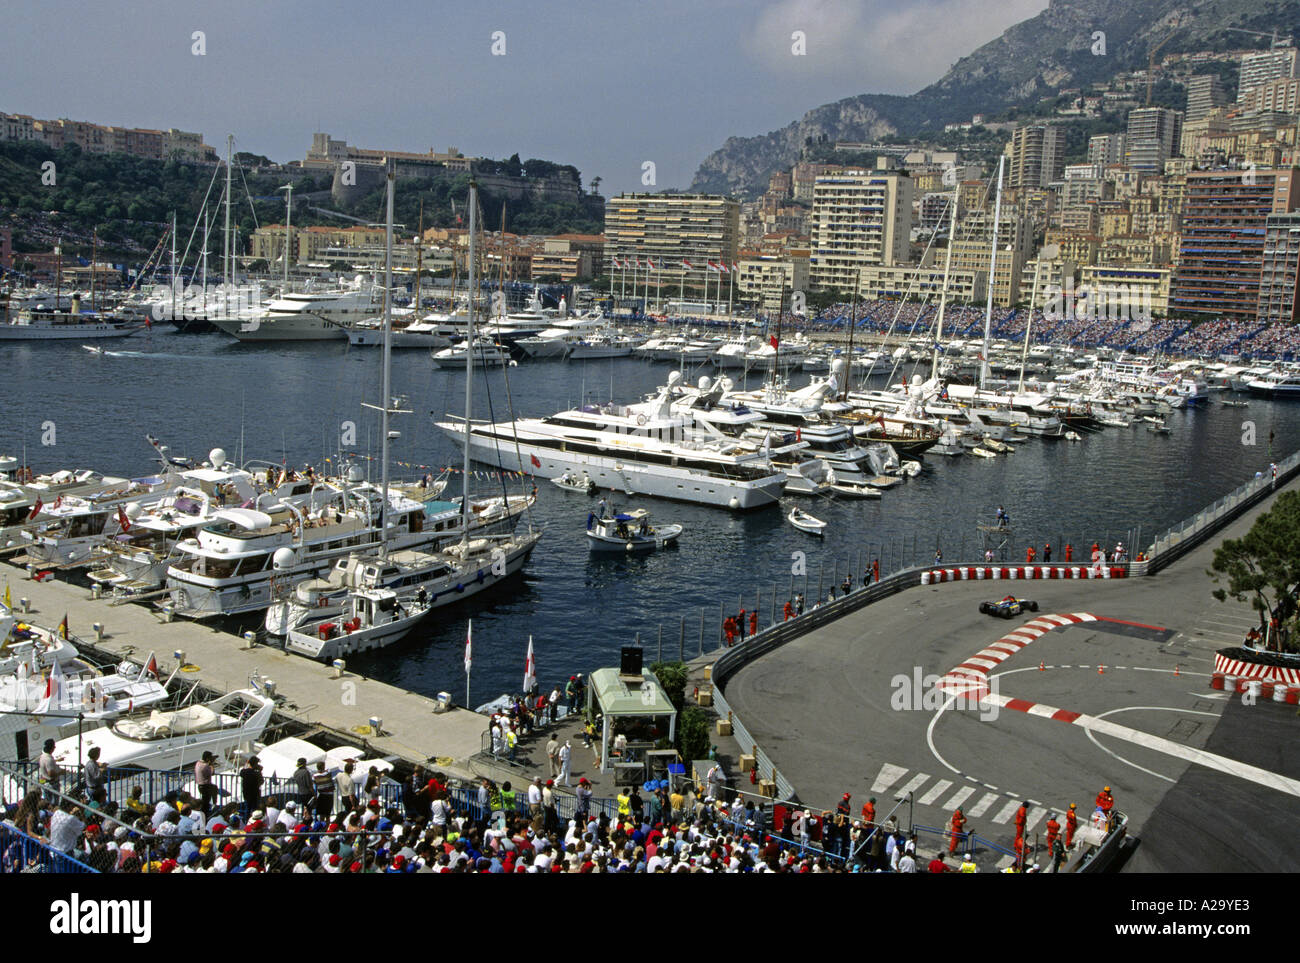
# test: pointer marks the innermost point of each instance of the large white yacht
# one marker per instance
(306, 315)
(645, 449)
(228, 567)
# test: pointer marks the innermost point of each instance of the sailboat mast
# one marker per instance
(469, 357)
(225, 263)
(419, 261)
(993, 273)
(388, 348)
(943, 292)
(173, 266)
(853, 323)
(94, 256)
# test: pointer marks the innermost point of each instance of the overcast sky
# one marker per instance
(601, 85)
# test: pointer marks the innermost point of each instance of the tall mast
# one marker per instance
(993, 270)
(943, 293)
(853, 323)
(225, 263)
(205, 254)
(94, 256)
(288, 234)
(173, 266)
(419, 261)
(388, 349)
(469, 357)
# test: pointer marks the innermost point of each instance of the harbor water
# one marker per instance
(295, 402)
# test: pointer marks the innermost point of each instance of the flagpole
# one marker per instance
(731, 290)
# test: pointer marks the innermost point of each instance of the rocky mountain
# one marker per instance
(1030, 61)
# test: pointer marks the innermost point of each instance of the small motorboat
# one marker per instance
(884, 481)
(992, 444)
(93, 349)
(1229, 403)
(849, 490)
(574, 483)
(1152, 420)
(806, 523)
(910, 468)
(981, 452)
(629, 532)
(1158, 429)
(1114, 421)
(1073, 436)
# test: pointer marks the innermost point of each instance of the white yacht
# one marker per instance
(176, 738)
(554, 341)
(1280, 384)
(35, 325)
(306, 315)
(645, 449)
(486, 352)
(70, 529)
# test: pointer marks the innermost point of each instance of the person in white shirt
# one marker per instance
(565, 753)
(65, 827)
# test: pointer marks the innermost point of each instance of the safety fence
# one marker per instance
(20, 853)
(1180, 539)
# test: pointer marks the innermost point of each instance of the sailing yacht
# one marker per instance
(386, 595)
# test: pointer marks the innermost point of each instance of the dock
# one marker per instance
(307, 692)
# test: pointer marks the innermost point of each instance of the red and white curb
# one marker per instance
(972, 676)
(965, 573)
(970, 679)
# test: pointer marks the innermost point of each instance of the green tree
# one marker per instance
(672, 677)
(693, 733)
(1263, 567)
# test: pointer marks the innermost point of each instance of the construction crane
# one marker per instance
(1151, 57)
(1274, 42)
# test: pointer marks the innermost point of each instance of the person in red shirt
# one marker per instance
(1071, 824)
(937, 865)
(788, 611)
(1053, 831)
(957, 826)
(1069, 553)
(753, 623)
(1022, 814)
(1105, 801)
(869, 811)
(875, 570)
(1029, 555)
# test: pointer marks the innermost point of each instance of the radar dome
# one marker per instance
(283, 559)
(355, 474)
(837, 366)
(674, 378)
(727, 384)
(916, 379)
(133, 510)
(217, 456)
(705, 382)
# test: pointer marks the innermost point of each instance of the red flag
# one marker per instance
(722, 266)
(686, 264)
(535, 460)
(122, 520)
(36, 509)
(775, 343)
(469, 635)
(151, 668)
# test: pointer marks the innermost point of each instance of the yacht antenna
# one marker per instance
(469, 358)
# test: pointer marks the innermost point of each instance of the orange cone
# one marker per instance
(1101, 670)
(1042, 666)
(1176, 673)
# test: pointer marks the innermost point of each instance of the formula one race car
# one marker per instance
(1008, 607)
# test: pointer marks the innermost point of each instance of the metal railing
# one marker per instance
(20, 853)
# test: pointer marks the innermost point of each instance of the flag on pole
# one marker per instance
(535, 460)
(469, 632)
(735, 265)
(150, 668)
(650, 263)
(686, 264)
(775, 344)
(530, 669)
(722, 266)
(63, 627)
(36, 509)
(712, 266)
(122, 521)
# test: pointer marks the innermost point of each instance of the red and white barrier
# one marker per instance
(1253, 670)
(981, 572)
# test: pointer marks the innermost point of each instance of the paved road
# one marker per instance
(831, 710)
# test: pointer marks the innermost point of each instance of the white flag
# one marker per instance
(469, 631)
(530, 669)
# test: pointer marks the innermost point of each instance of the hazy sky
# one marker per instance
(601, 85)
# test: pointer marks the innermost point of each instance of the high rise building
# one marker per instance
(1261, 66)
(1154, 135)
(670, 229)
(1225, 218)
(1107, 149)
(1037, 156)
(1278, 273)
(972, 250)
(1204, 94)
(859, 218)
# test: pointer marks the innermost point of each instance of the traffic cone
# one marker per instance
(1101, 670)
(1176, 673)
(1042, 666)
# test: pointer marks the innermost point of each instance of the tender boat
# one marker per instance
(849, 490)
(574, 483)
(629, 532)
(806, 523)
